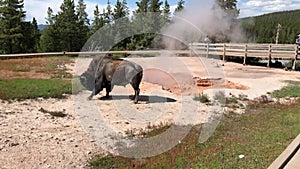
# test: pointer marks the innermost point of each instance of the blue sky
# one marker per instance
(38, 8)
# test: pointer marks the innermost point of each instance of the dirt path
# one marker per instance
(31, 138)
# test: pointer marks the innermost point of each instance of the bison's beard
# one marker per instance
(87, 80)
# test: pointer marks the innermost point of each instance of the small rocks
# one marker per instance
(13, 144)
(264, 99)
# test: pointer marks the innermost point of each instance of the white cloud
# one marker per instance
(172, 8)
(258, 7)
(38, 9)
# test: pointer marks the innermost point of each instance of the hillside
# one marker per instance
(262, 29)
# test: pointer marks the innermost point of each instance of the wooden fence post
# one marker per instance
(245, 54)
(295, 59)
(224, 52)
(207, 49)
(269, 56)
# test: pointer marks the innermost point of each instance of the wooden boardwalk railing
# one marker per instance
(265, 51)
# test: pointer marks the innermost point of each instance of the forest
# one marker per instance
(263, 29)
(69, 29)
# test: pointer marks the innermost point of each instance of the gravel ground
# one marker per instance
(31, 137)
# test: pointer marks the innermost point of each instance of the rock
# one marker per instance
(13, 144)
(264, 99)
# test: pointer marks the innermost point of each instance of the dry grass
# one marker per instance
(35, 68)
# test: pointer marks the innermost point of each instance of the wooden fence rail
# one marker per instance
(264, 51)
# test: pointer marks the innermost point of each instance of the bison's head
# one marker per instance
(87, 79)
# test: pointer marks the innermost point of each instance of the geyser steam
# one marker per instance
(198, 19)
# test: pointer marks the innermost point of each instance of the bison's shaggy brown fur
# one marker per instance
(105, 72)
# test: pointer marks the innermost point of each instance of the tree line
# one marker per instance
(264, 28)
(70, 28)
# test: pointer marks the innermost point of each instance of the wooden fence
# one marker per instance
(264, 51)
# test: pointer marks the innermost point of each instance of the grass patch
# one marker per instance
(33, 88)
(203, 98)
(231, 100)
(291, 90)
(21, 68)
(289, 65)
(260, 135)
(35, 68)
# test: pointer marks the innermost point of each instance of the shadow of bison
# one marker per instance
(105, 72)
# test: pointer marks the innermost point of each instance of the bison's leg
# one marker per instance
(136, 95)
(92, 94)
(97, 88)
(108, 89)
(135, 85)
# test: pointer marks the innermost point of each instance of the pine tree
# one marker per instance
(120, 26)
(229, 7)
(11, 18)
(108, 14)
(83, 22)
(35, 35)
(230, 13)
(180, 6)
(98, 21)
(66, 24)
(50, 19)
(121, 10)
(155, 6)
(81, 13)
(166, 11)
(49, 39)
(31, 35)
(143, 6)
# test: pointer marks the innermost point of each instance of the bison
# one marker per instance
(105, 72)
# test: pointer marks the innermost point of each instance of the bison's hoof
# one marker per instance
(89, 98)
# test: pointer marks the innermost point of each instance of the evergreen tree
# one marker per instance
(11, 18)
(180, 6)
(120, 26)
(166, 11)
(66, 24)
(143, 6)
(108, 14)
(263, 29)
(49, 40)
(35, 35)
(229, 7)
(50, 19)
(121, 10)
(230, 13)
(31, 35)
(155, 6)
(83, 22)
(81, 13)
(98, 21)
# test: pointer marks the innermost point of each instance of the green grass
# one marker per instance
(33, 88)
(203, 98)
(261, 135)
(291, 90)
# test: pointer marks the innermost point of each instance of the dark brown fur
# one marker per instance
(105, 72)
